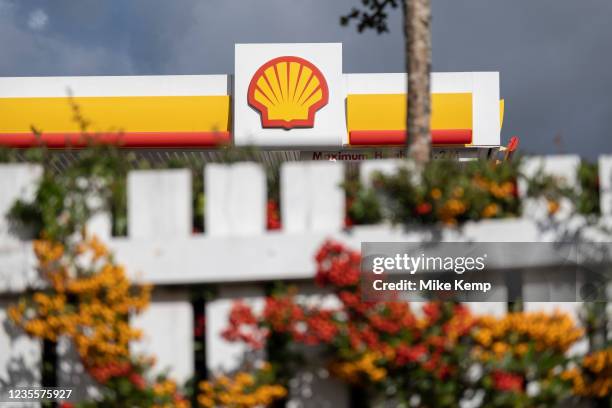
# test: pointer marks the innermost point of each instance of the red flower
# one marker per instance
(282, 313)
(66, 405)
(370, 338)
(348, 221)
(337, 266)
(423, 208)
(505, 381)
(432, 311)
(514, 189)
(443, 371)
(111, 370)
(431, 364)
(354, 337)
(273, 215)
(320, 328)
(200, 326)
(353, 303)
(137, 380)
(406, 354)
(243, 326)
(437, 342)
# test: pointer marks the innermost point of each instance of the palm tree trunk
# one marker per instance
(417, 19)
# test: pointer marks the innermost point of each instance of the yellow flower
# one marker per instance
(598, 361)
(521, 349)
(458, 192)
(15, 312)
(206, 401)
(244, 379)
(483, 337)
(553, 207)
(490, 210)
(436, 193)
(500, 348)
(508, 188)
(501, 191)
(377, 375)
(547, 331)
(97, 322)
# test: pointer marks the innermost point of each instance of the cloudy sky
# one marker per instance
(555, 56)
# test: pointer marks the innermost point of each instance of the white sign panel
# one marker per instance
(289, 95)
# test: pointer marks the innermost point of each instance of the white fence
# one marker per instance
(236, 252)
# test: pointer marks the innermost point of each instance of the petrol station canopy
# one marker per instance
(280, 96)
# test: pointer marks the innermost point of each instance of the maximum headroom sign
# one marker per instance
(282, 95)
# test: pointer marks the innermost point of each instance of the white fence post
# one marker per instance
(17, 181)
(168, 333)
(564, 168)
(222, 355)
(160, 207)
(605, 203)
(540, 285)
(605, 185)
(235, 199)
(312, 198)
(72, 374)
(159, 204)
(20, 356)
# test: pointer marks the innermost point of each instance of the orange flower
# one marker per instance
(98, 322)
(490, 211)
(553, 207)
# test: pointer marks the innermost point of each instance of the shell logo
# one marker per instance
(288, 91)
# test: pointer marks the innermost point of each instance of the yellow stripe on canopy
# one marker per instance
(129, 114)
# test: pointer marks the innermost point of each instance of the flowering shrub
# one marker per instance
(445, 191)
(126, 384)
(242, 390)
(432, 357)
(384, 342)
(88, 299)
(522, 350)
(520, 333)
(552, 188)
(451, 192)
(593, 376)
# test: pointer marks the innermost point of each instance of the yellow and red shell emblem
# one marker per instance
(287, 92)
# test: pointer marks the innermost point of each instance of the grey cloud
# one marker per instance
(30, 53)
(554, 58)
(38, 19)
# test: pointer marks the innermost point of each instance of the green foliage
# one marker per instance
(548, 186)
(587, 202)
(63, 200)
(585, 196)
(362, 204)
(372, 15)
